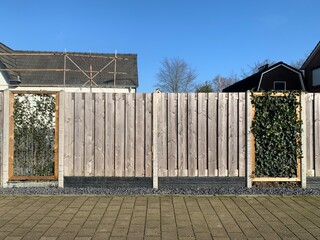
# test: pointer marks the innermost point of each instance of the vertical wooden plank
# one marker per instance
(99, 134)
(59, 156)
(119, 134)
(89, 134)
(79, 135)
(172, 135)
(222, 133)
(250, 140)
(129, 137)
(309, 134)
(162, 134)
(182, 134)
(316, 144)
(7, 124)
(140, 136)
(233, 134)
(303, 141)
(242, 134)
(155, 120)
(212, 134)
(192, 135)
(109, 165)
(69, 134)
(202, 134)
(148, 135)
(1, 136)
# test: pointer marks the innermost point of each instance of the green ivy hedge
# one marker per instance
(277, 132)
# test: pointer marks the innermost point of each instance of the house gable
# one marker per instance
(281, 73)
(310, 67)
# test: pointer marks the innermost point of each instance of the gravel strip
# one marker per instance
(144, 191)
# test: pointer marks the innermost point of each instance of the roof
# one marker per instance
(310, 57)
(74, 68)
(253, 82)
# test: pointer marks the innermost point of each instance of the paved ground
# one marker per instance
(159, 217)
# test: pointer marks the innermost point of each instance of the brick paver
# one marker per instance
(159, 217)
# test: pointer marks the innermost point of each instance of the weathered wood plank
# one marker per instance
(1, 134)
(233, 134)
(222, 133)
(79, 135)
(119, 134)
(202, 134)
(148, 135)
(172, 135)
(309, 134)
(140, 135)
(109, 135)
(212, 134)
(99, 134)
(162, 134)
(69, 134)
(129, 135)
(316, 144)
(89, 134)
(155, 163)
(192, 135)
(182, 134)
(242, 134)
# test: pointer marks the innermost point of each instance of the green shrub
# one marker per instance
(277, 131)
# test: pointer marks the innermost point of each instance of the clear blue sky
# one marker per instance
(212, 36)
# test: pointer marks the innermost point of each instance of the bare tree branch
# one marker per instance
(175, 76)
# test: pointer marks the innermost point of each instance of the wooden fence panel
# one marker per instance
(192, 135)
(233, 134)
(316, 139)
(140, 136)
(129, 135)
(308, 127)
(222, 134)
(99, 134)
(89, 116)
(79, 135)
(148, 135)
(202, 135)
(109, 135)
(242, 135)
(182, 134)
(1, 136)
(172, 135)
(119, 134)
(69, 134)
(162, 135)
(212, 134)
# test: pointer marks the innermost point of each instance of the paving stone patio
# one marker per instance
(159, 217)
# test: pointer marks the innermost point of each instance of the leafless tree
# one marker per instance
(175, 75)
(220, 82)
(256, 67)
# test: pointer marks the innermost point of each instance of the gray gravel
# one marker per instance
(144, 191)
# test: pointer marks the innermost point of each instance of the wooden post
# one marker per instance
(249, 139)
(5, 138)
(60, 112)
(303, 141)
(155, 140)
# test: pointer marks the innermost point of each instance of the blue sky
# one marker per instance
(212, 36)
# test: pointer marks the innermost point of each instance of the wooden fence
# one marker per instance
(148, 135)
(195, 134)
